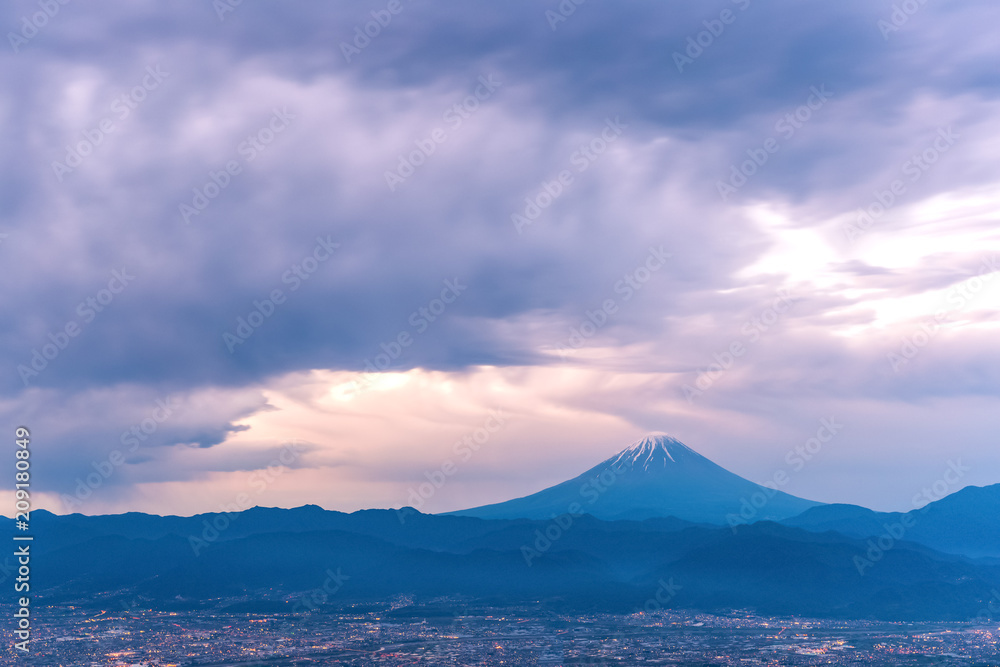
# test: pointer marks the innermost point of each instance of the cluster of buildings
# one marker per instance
(451, 633)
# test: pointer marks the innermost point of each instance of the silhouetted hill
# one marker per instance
(275, 557)
(966, 522)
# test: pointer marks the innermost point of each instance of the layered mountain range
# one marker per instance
(648, 528)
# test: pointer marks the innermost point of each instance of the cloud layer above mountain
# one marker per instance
(726, 221)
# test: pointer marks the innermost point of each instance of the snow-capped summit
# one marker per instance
(656, 449)
(656, 476)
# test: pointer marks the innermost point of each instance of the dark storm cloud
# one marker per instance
(193, 282)
(103, 248)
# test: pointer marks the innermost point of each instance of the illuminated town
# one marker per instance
(449, 632)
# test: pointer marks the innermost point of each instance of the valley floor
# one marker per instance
(403, 634)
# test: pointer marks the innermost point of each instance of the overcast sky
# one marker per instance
(562, 226)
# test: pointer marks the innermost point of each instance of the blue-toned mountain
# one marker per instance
(658, 476)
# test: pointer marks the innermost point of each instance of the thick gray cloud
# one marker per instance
(164, 97)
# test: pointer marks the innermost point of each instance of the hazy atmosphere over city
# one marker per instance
(326, 253)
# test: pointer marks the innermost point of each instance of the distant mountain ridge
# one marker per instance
(658, 476)
(605, 540)
(966, 522)
(272, 560)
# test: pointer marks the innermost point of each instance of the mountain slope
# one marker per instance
(963, 523)
(591, 565)
(656, 477)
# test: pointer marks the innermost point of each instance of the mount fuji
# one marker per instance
(658, 476)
